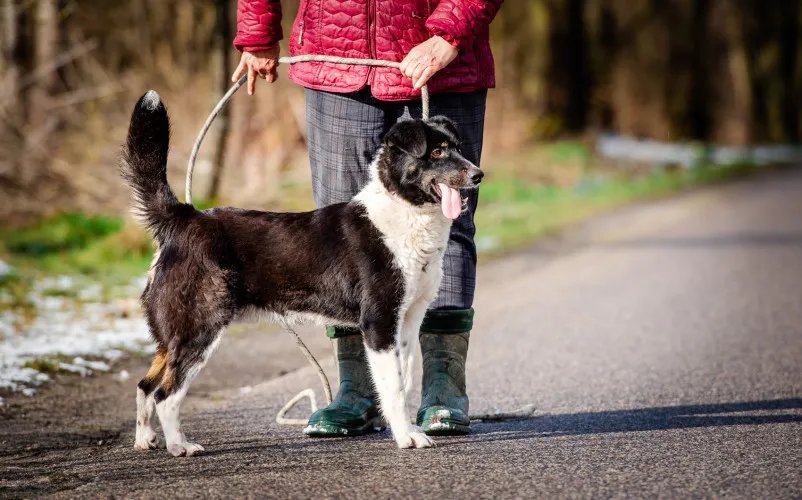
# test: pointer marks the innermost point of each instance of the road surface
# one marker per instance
(662, 345)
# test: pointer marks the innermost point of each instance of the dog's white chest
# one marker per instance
(417, 238)
(418, 252)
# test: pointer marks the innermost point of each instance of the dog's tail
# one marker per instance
(144, 167)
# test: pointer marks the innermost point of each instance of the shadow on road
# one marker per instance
(646, 419)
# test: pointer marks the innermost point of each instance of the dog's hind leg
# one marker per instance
(146, 437)
(185, 361)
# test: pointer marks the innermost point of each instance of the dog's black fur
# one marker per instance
(213, 266)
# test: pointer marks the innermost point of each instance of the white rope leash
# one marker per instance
(525, 412)
(306, 393)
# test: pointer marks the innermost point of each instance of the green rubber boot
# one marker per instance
(354, 410)
(444, 345)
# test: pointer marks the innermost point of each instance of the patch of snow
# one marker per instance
(64, 282)
(54, 283)
(92, 365)
(72, 368)
(123, 376)
(114, 354)
(245, 390)
(66, 327)
(5, 269)
(93, 292)
(28, 391)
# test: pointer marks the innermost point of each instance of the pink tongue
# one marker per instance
(452, 203)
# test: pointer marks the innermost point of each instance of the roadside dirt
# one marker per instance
(73, 411)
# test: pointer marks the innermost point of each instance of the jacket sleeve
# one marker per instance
(258, 24)
(459, 21)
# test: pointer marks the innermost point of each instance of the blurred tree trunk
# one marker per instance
(20, 53)
(47, 39)
(224, 40)
(46, 48)
(601, 56)
(790, 78)
(576, 67)
(733, 94)
(566, 79)
(698, 103)
(8, 81)
(40, 123)
(638, 72)
(14, 113)
(9, 32)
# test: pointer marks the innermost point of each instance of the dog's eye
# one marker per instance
(437, 153)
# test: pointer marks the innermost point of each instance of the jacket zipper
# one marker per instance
(303, 22)
(371, 38)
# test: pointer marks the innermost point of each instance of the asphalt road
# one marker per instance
(661, 344)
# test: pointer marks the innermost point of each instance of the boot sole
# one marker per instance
(337, 430)
(445, 428)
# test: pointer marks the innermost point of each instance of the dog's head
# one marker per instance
(421, 163)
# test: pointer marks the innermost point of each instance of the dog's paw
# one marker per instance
(185, 449)
(414, 438)
(148, 441)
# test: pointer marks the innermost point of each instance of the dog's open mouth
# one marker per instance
(450, 200)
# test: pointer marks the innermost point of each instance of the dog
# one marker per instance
(374, 263)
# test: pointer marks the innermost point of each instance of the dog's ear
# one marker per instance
(408, 136)
(445, 123)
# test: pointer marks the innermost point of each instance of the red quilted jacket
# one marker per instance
(381, 29)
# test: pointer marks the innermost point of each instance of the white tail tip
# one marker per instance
(151, 100)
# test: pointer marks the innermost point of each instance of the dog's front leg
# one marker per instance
(408, 339)
(385, 366)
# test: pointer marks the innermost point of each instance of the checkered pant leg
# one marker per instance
(344, 132)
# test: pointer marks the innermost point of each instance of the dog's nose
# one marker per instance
(476, 178)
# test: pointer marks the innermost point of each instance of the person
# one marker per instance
(442, 43)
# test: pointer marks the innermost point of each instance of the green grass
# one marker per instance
(107, 250)
(514, 211)
(523, 197)
(42, 365)
(14, 296)
(63, 233)
(77, 244)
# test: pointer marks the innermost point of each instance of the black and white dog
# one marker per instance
(373, 263)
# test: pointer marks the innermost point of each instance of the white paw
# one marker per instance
(147, 441)
(414, 438)
(184, 449)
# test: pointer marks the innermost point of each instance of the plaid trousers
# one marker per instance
(344, 133)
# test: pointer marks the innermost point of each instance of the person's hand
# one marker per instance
(426, 59)
(261, 63)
